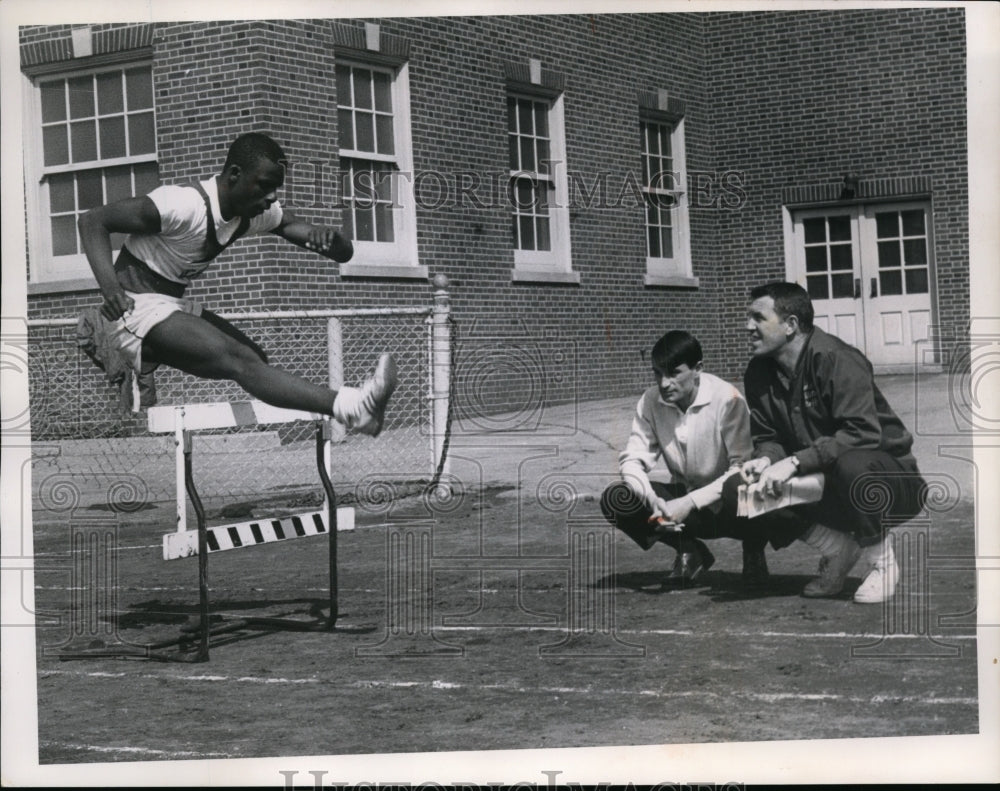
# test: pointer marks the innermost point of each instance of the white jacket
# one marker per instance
(700, 447)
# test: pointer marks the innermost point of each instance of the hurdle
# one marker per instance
(183, 422)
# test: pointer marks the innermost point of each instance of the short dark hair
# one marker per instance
(790, 299)
(675, 348)
(249, 148)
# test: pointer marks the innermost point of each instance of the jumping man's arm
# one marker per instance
(132, 215)
(325, 241)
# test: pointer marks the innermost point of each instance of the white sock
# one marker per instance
(347, 406)
(878, 555)
(828, 542)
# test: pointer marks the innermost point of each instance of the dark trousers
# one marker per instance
(866, 492)
(630, 514)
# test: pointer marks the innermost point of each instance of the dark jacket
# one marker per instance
(830, 406)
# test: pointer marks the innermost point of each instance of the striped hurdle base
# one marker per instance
(184, 544)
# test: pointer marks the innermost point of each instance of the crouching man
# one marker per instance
(815, 407)
(700, 426)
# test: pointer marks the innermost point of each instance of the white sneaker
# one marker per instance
(363, 408)
(880, 583)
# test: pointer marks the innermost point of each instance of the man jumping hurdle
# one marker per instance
(174, 232)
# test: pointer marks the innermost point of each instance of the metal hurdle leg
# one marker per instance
(324, 433)
(203, 609)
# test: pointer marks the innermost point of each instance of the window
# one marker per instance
(903, 266)
(829, 256)
(376, 169)
(538, 187)
(92, 140)
(668, 260)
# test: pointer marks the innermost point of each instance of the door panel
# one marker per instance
(896, 261)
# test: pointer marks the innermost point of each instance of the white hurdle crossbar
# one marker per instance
(179, 419)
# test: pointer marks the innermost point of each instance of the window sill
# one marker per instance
(62, 286)
(539, 276)
(670, 281)
(384, 271)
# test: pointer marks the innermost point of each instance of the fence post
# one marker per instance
(440, 369)
(335, 368)
(335, 373)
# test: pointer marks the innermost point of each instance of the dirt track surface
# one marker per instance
(470, 626)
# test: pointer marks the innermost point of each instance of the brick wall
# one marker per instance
(802, 98)
(784, 98)
(459, 122)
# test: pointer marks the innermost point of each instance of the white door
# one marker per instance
(869, 272)
(896, 274)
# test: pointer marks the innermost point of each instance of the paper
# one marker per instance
(753, 501)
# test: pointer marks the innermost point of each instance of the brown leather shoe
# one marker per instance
(754, 565)
(833, 570)
(692, 559)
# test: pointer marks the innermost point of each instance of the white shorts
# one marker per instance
(149, 310)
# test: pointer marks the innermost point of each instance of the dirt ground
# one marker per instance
(495, 621)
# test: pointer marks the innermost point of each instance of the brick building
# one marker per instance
(585, 182)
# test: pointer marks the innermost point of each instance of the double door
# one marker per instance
(869, 272)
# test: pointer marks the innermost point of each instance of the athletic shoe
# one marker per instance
(754, 565)
(692, 559)
(833, 570)
(880, 584)
(375, 394)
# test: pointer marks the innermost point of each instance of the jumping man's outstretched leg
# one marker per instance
(195, 346)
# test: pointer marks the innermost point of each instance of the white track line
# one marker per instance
(766, 697)
(439, 685)
(116, 548)
(196, 678)
(715, 634)
(133, 750)
(671, 632)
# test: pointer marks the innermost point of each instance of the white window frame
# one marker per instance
(674, 270)
(555, 264)
(398, 258)
(45, 269)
